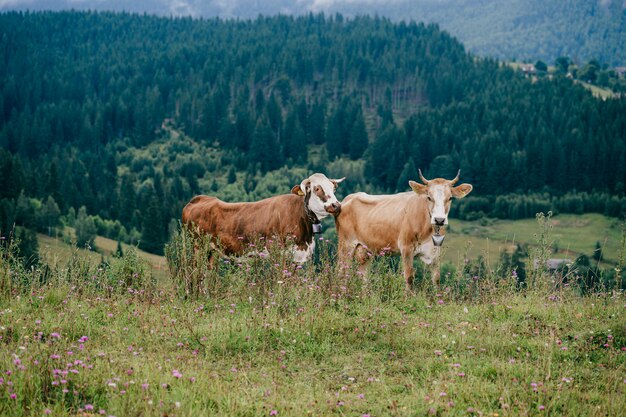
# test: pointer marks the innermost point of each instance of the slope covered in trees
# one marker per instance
(130, 116)
(506, 29)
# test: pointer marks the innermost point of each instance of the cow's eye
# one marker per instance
(317, 188)
(429, 198)
(450, 199)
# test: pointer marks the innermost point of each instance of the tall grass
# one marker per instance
(262, 336)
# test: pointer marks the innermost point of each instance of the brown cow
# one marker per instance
(406, 223)
(296, 215)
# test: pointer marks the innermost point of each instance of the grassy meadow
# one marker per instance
(570, 236)
(263, 337)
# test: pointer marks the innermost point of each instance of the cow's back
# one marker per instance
(198, 210)
(382, 221)
(234, 224)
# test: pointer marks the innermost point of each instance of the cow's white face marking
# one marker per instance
(319, 195)
(439, 193)
(303, 255)
(439, 197)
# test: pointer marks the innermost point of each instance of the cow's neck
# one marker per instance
(311, 217)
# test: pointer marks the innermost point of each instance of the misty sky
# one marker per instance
(199, 7)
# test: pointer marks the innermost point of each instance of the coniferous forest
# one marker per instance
(117, 120)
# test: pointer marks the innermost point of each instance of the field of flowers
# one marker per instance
(264, 337)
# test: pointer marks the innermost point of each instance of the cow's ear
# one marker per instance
(418, 188)
(462, 190)
(297, 190)
(335, 182)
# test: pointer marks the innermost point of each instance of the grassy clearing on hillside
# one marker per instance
(264, 337)
(571, 235)
(56, 250)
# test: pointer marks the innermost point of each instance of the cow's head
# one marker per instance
(319, 195)
(439, 193)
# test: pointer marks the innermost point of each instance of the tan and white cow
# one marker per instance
(407, 223)
(296, 215)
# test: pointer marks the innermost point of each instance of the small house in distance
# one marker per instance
(554, 264)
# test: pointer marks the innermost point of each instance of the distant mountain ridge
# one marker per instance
(505, 29)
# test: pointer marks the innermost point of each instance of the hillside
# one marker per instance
(570, 236)
(55, 250)
(130, 116)
(506, 29)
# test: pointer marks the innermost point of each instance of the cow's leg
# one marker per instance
(345, 252)
(435, 272)
(407, 267)
(363, 258)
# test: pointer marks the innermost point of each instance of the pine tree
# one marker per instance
(28, 247)
(232, 175)
(358, 137)
(264, 148)
(152, 226)
(119, 252)
(597, 252)
(409, 172)
(49, 216)
(294, 142)
(85, 228)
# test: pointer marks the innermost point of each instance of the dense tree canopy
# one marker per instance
(130, 116)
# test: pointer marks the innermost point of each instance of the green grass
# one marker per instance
(572, 235)
(55, 250)
(273, 339)
(230, 356)
(598, 92)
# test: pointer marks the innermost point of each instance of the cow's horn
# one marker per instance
(424, 180)
(458, 174)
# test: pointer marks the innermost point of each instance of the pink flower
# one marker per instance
(541, 408)
(88, 407)
(176, 373)
(274, 413)
(438, 352)
(55, 335)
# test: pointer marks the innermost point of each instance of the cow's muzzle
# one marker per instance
(439, 221)
(334, 208)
